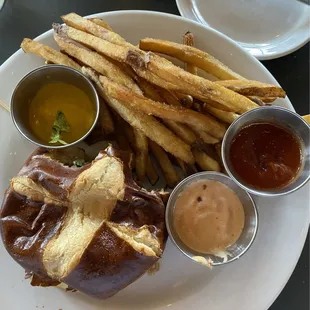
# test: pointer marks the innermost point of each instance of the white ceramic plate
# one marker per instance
(266, 28)
(253, 282)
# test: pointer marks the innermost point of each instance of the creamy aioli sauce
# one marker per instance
(208, 216)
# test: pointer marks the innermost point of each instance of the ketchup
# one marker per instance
(265, 155)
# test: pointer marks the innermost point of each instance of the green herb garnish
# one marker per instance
(79, 163)
(60, 125)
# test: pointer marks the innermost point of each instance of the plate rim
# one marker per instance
(283, 52)
(225, 37)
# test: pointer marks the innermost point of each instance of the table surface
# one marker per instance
(20, 18)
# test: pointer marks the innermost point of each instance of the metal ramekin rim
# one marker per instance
(61, 67)
(257, 192)
(168, 220)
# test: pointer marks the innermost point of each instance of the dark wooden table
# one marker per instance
(29, 18)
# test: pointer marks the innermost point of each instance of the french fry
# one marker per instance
(178, 114)
(253, 88)
(165, 164)
(149, 90)
(218, 149)
(186, 168)
(98, 62)
(6, 107)
(141, 148)
(188, 135)
(205, 162)
(307, 118)
(257, 100)
(151, 172)
(180, 130)
(101, 23)
(262, 100)
(188, 39)
(147, 124)
(48, 53)
(198, 87)
(163, 73)
(182, 166)
(169, 97)
(121, 134)
(227, 117)
(105, 118)
(76, 21)
(205, 137)
(190, 55)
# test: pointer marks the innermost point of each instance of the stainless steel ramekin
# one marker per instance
(32, 82)
(247, 236)
(284, 118)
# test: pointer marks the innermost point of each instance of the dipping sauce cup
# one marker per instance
(215, 208)
(34, 101)
(266, 151)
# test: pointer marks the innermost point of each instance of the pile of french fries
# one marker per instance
(152, 106)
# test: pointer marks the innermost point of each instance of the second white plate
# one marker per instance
(268, 29)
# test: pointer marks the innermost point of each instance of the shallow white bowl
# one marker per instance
(267, 29)
(252, 282)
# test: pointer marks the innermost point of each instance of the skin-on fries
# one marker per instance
(190, 55)
(253, 88)
(145, 123)
(165, 164)
(169, 97)
(141, 148)
(98, 62)
(78, 22)
(101, 23)
(188, 39)
(205, 162)
(30, 46)
(307, 118)
(182, 131)
(205, 137)
(138, 86)
(182, 166)
(178, 114)
(121, 135)
(179, 80)
(149, 90)
(105, 118)
(227, 117)
(163, 73)
(151, 172)
(262, 99)
(179, 129)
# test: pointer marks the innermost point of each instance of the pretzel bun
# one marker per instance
(92, 228)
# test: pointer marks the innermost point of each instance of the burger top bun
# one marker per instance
(91, 227)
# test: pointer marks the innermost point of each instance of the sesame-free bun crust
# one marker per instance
(92, 228)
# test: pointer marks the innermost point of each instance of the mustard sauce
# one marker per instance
(70, 100)
(208, 216)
